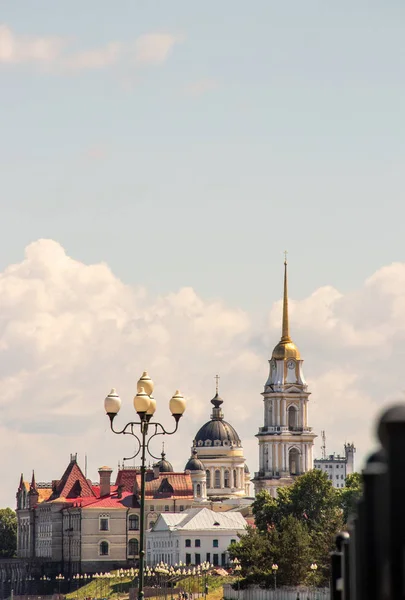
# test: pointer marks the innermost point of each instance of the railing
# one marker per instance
(282, 593)
(369, 563)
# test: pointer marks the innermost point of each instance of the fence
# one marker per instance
(369, 563)
(257, 593)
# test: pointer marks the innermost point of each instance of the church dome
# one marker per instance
(217, 432)
(164, 465)
(194, 463)
(286, 349)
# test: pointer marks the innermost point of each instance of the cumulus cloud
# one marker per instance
(32, 49)
(58, 53)
(70, 331)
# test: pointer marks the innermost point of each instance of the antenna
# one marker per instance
(323, 447)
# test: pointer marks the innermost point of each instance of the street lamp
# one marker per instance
(237, 568)
(314, 568)
(145, 406)
(274, 568)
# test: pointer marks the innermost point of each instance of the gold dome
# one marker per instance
(286, 349)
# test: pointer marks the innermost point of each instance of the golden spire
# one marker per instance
(285, 333)
(286, 347)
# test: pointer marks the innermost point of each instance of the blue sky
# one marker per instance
(187, 145)
(271, 126)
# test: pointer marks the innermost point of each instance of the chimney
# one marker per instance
(105, 480)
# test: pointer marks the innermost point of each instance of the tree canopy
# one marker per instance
(296, 529)
(8, 533)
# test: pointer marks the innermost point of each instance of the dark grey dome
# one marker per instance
(164, 465)
(194, 463)
(217, 430)
(246, 468)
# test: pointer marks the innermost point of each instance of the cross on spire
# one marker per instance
(217, 378)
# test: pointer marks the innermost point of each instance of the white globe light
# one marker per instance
(141, 401)
(112, 403)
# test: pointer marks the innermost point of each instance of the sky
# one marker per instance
(156, 159)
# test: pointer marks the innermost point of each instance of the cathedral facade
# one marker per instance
(285, 440)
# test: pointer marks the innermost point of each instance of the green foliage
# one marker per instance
(294, 530)
(349, 495)
(8, 533)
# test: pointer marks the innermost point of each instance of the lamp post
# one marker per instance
(314, 568)
(145, 406)
(237, 567)
(274, 568)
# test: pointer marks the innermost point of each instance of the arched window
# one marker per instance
(198, 490)
(104, 549)
(133, 547)
(294, 461)
(292, 418)
(133, 522)
(217, 483)
(234, 479)
(226, 479)
(208, 475)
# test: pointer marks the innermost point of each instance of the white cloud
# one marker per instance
(70, 331)
(154, 48)
(32, 49)
(148, 49)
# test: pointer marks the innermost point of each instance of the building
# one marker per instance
(195, 536)
(285, 440)
(75, 526)
(337, 467)
(220, 455)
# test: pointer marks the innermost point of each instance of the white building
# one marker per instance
(286, 440)
(192, 537)
(337, 467)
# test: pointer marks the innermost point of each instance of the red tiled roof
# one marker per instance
(166, 485)
(73, 483)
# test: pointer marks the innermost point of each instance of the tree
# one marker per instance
(293, 554)
(8, 533)
(254, 551)
(350, 494)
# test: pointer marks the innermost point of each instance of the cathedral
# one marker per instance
(285, 441)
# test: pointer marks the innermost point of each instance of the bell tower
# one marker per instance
(285, 441)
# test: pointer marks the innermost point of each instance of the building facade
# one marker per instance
(76, 526)
(193, 537)
(337, 467)
(285, 440)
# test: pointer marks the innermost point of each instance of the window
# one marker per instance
(152, 508)
(341, 477)
(197, 543)
(104, 523)
(188, 559)
(198, 490)
(223, 559)
(133, 522)
(234, 478)
(104, 549)
(226, 479)
(181, 508)
(217, 483)
(188, 543)
(233, 541)
(133, 547)
(151, 524)
(208, 476)
(215, 543)
(215, 560)
(167, 508)
(292, 418)
(197, 559)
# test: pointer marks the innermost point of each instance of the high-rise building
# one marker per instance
(285, 440)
